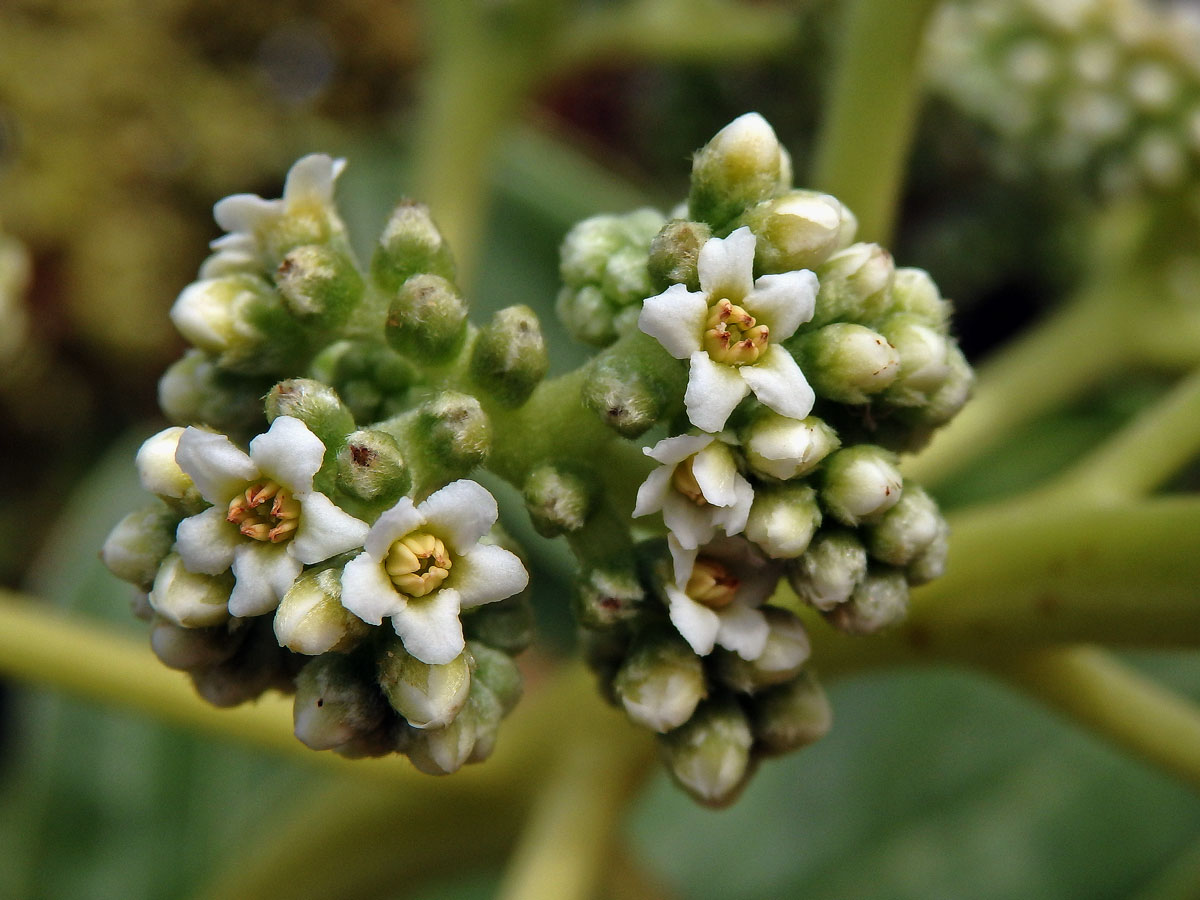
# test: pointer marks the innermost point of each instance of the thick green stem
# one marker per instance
(864, 142)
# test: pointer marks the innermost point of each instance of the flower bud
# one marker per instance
(675, 253)
(607, 597)
(138, 544)
(506, 625)
(587, 315)
(371, 468)
(410, 244)
(258, 665)
(786, 652)
(855, 285)
(157, 469)
(315, 404)
(455, 431)
(780, 447)
(914, 292)
(428, 696)
(445, 750)
(847, 363)
(860, 483)
(741, 166)
(879, 601)
(791, 715)
(709, 756)
(906, 530)
(626, 278)
(319, 285)
(335, 702)
(953, 393)
(633, 385)
(188, 599)
(799, 230)
(194, 390)
(186, 649)
(783, 519)
(392, 735)
(311, 620)
(558, 499)
(661, 682)
(427, 320)
(509, 357)
(497, 672)
(591, 243)
(924, 360)
(931, 563)
(486, 712)
(827, 574)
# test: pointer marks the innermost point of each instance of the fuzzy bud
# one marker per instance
(559, 500)
(847, 363)
(445, 750)
(786, 651)
(661, 682)
(194, 391)
(790, 716)
(607, 597)
(634, 385)
(675, 253)
(952, 395)
(428, 696)
(879, 601)
(188, 599)
(860, 483)
(138, 544)
(315, 404)
(914, 292)
(742, 165)
(709, 756)
(506, 625)
(410, 245)
(799, 230)
(157, 469)
(455, 430)
(783, 519)
(509, 357)
(924, 360)
(855, 285)
(371, 468)
(427, 320)
(827, 574)
(186, 649)
(497, 672)
(335, 702)
(780, 447)
(311, 620)
(587, 315)
(906, 530)
(319, 284)
(931, 563)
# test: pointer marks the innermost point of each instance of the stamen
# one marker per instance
(712, 584)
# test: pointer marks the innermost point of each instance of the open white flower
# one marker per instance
(266, 521)
(697, 487)
(730, 332)
(423, 564)
(716, 593)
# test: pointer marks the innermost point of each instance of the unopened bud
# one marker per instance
(906, 530)
(879, 601)
(607, 597)
(860, 483)
(827, 574)
(931, 563)
(790, 716)
(558, 499)
(847, 363)
(742, 165)
(428, 696)
(311, 619)
(855, 285)
(157, 469)
(783, 448)
(188, 599)
(315, 404)
(410, 245)
(509, 357)
(371, 468)
(319, 284)
(258, 665)
(486, 712)
(194, 391)
(455, 430)
(633, 385)
(786, 651)
(924, 360)
(506, 625)
(427, 320)
(590, 245)
(335, 702)
(186, 649)
(709, 756)
(241, 320)
(587, 315)
(953, 393)
(496, 671)
(675, 254)
(661, 682)
(783, 519)
(445, 750)
(139, 543)
(914, 292)
(799, 230)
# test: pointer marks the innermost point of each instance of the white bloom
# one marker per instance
(716, 594)
(266, 521)
(697, 487)
(424, 563)
(730, 332)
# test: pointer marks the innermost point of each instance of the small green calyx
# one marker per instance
(427, 319)
(418, 563)
(265, 512)
(509, 357)
(732, 336)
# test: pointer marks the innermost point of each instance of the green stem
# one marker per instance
(863, 145)
(1090, 687)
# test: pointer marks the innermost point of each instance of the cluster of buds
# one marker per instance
(1110, 88)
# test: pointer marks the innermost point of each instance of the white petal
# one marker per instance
(264, 572)
(391, 526)
(368, 592)
(783, 302)
(726, 266)
(690, 524)
(733, 517)
(696, 622)
(430, 628)
(676, 449)
(777, 381)
(675, 318)
(218, 468)
(461, 512)
(244, 212)
(289, 453)
(311, 178)
(487, 573)
(713, 390)
(653, 492)
(683, 560)
(206, 542)
(742, 630)
(325, 530)
(715, 472)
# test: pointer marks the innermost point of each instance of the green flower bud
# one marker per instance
(497, 672)
(315, 404)
(157, 469)
(427, 320)
(860, 483)
(371, 468)
(914, 292)
(509, 357)
(311, 620)
(741, 166)
(486, 713)
(776, 446)
(924, 360)
(953, 393)
(633, 385)
(455, 430)
(410, 245)
(783, 519)
(879, 601)
(709, 756)
(186, 649)
(661, 682)
(319, 284)
(188, 599)
(847, 363)
(587, 315)
(855, 285)
(785, 654)
(675, 253)
(791, 715)
(906, 530)
(590, 245)
(445, 750)
(931, 563)
(335, 702)
(506, 625)
(558, 499)
(827, 574)
(626, 278)
(799, 230)
(607, 597)
(428, 696)
(194, 391)
(139, 543)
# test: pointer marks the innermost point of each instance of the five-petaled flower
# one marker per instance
(730, 332)
(266, 521)
(423, 563)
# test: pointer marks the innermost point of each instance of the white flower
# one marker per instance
(697, 487)
(424, 563)
(716, 593)
(730, 332)
(266, 521)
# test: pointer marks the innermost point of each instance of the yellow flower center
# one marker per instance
(417, 563)
(684, 481)
(732, 336)
(265, 512)
(711, 584)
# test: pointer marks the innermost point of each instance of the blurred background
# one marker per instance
(121, 123)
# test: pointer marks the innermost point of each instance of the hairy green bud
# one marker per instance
(880, 600)
(497, 672)
(914, 292)
(195, 391)
(799, 230)
(335, 702)
(742, 165)
(454, 428)
(847, 363)
(924, 360)
(790, 716)
(906, 530)
(827, 574)
(709, 756)
(559, 500)
(410, 245)
(311, 620)
(783, 519)
(786, 652)
(586, 313)
(427, 320)
(315, 404)
(428, 696)
(138, 544)
(371, 468)
(675, 254)
(320, 285)
(509, 356)
(855, 285)
(607, 597)
(633, 385)
(860, 483)
(506, 625)
(187, 649)
(661, 682)
(931, 563)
